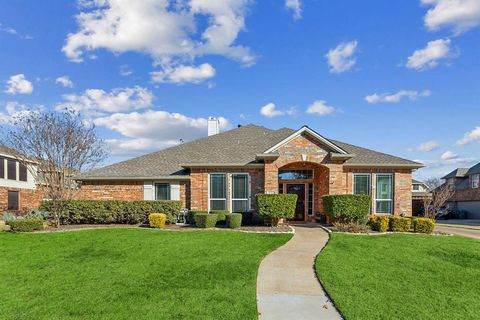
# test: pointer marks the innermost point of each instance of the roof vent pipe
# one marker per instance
(213, 126)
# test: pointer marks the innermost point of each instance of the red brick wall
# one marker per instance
(466, 195)
(29, 198)
(111, 190)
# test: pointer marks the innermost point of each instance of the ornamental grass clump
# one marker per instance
(157, 220)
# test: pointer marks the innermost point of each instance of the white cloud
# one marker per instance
(319, 107)
(296, 7)
(428, 146)
(125, 70)
(18, 84)
(270, 110)
(14, 32)
(13, 110)
(449, 155)
(396, 97)
(455, 160)
(170, 32)
(96, 101)
(429, 56)
(460, 15)
(340, 59)
(470, 137)
(152, 130)
(184, 74)
(64, 81)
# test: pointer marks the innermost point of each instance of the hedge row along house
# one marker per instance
(224, 171)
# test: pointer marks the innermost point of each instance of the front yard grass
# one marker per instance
(132, 274)
(402, 276)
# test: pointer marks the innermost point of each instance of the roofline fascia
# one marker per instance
(383, 165)
(174, 178)
(267, 156)
(223, 165)
(338, 156)
(313, 133)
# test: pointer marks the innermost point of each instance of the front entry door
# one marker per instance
(299, 190)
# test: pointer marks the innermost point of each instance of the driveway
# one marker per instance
(463, 227)
(287, 286)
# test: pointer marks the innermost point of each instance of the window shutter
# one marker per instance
(12, 169)
(148, 191)
(23, 172)
(175, 191)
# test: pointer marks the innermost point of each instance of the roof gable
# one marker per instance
(315, 135)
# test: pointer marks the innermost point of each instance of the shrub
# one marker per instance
(234, 220)
(276, 206)
(191, 216)
(8, 216)
(353, 227)
(247, 218)
(347, 207)
(399, 224)
(25, 225)
(379, 223)
(113, 211)
(205, 220)
(221, 214)
(423, 225)
(157, 220)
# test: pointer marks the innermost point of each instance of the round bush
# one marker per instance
(423, 225)
(399, 224)
(234, 220)
(205, 220)
(221, 214)
(276, 206)
(379, 223)
(157, 220)
(191, 216)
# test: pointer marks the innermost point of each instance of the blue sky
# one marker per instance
(395, 76)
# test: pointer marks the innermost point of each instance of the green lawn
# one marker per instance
(402, 276)
(131, 274)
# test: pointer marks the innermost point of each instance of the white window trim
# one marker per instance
(226, 191)
(249, 191)
(369, 181)
(475, 181)
(393, 194)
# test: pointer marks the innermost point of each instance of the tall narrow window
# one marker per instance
(475, 181)
(22, 175)
(361, 183)
(240, 197)
(2, 168)
(162, 191)
(13, 201)
(218, 191)
(384, 194)
(310, 199)
(11, 169)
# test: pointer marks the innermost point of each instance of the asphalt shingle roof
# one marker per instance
(457, 173)
(474, 170)
(238, 146)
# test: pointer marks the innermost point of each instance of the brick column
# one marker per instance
(271, 177)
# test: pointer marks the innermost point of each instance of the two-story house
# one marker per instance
(420, 191)
(466, 184)
(19, 191)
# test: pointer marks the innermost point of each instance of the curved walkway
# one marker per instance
(287, 287)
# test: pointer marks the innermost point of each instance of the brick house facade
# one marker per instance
(203, 174)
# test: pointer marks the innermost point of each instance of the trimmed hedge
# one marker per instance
(423, 225)
(221, 214)
(191, 216)
(379, 223)
(399, 224)
(276, 206)
(234, 220)
(25, 225)
(205, 220)
(113, 211)
(157, 220)
(347, 207)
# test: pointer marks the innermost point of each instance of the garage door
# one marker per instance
(473, 208)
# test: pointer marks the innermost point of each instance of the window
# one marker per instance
(475, 181)
(11, 170)
(162, 191)
(416, 187)
(280, 188)
(218, 191)
(361, 183)
(240, 197)
(384, 193)
(13, 201)
(2, 168)
(22, 172)
(310, 199)
(295, 174)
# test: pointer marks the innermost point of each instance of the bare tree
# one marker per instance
(55, 146)
(440, 193)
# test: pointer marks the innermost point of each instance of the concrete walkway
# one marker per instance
(287, 287)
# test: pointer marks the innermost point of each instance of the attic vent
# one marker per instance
(213, 126)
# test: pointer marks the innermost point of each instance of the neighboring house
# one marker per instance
(18, 190)
(420, 191)
(225, 170)
(466, 184)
